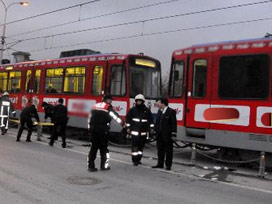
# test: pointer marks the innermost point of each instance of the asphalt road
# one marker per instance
(37, 173)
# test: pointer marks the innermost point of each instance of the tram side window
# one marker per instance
(3, 81)
(244, 77)
(97, 80)
(37, 81)
(199, 78)
(14, 82)
(27, 81)
(54, 80)
(176, 84)
(74, 81)
(118, 80)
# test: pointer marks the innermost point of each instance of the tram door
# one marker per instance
(98, 78)
(32, 88)
(199, 91)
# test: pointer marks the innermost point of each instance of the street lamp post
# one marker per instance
(3, 37)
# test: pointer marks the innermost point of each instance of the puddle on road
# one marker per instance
(77, 180)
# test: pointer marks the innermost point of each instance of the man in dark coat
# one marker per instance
(139, 122)
(6, 107)
(166, 130)
(99, 126)
(60, 119)
(48, 111)
(26, 118)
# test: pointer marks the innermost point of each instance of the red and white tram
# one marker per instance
(222, 94)
(81, 82)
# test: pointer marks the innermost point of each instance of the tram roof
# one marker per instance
(93, 57)
(226, 46)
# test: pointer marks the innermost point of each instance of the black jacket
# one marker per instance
(139, 119)
(60, 114)
(49, 111)
(99, 118)
(166, 124)
(6, 110)
(29, 112)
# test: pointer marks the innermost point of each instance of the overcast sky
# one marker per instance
(157, 46)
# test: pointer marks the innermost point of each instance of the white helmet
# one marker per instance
(140, 97)
(5, 94)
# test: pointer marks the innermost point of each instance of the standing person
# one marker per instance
(139, 122)
(60, 119)
(6, 107)
(166, 131)
(99, 126)
(48, 113)
(26, 118)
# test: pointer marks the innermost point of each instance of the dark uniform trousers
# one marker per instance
(61, 126)
(99, 141)
(29, 124)
(165, 149)
(137, 146)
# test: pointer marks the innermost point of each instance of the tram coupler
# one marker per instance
(262, 165)
(193, 155)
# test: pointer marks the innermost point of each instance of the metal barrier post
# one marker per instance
(193, 156)
(262, 165)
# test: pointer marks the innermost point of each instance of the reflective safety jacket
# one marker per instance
(6, 107)
(139, 120)
(100, 118)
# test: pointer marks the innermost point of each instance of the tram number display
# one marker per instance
(145, 62)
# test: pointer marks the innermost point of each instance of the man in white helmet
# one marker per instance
(6, 107)
(139, 122)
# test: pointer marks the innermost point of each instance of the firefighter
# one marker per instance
(60, 119)
(99, 126)
(139, 122)
(26, 118)
(6, 107)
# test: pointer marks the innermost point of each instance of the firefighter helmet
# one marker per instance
(140, 97)
(5, 94)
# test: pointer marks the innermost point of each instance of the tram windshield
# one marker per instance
(145, 76)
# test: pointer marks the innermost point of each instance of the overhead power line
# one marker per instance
(98, 16)
(147, 20)
(156, 33)
(50, 12)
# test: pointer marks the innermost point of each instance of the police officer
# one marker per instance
(99, 126)
(48, 111)
(60, 119)
(139, 122)
(166, 130)
(6, 107)
(26, 118)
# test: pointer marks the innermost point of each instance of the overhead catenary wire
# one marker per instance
(147, 20)
(98, 16)
(51, 12)
(157, 33)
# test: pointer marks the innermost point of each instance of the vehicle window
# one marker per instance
(97, 81)
(37, 81)
(176, 83)
(54, 80)
(118, 80)
(3, 81)
(244, 77)
(199, 78)
(28, 80)
(74, 81)
(14, 82)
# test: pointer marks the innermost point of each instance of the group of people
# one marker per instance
(139, 123)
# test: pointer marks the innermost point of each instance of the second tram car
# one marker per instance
(222, 94)
(82, 81)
